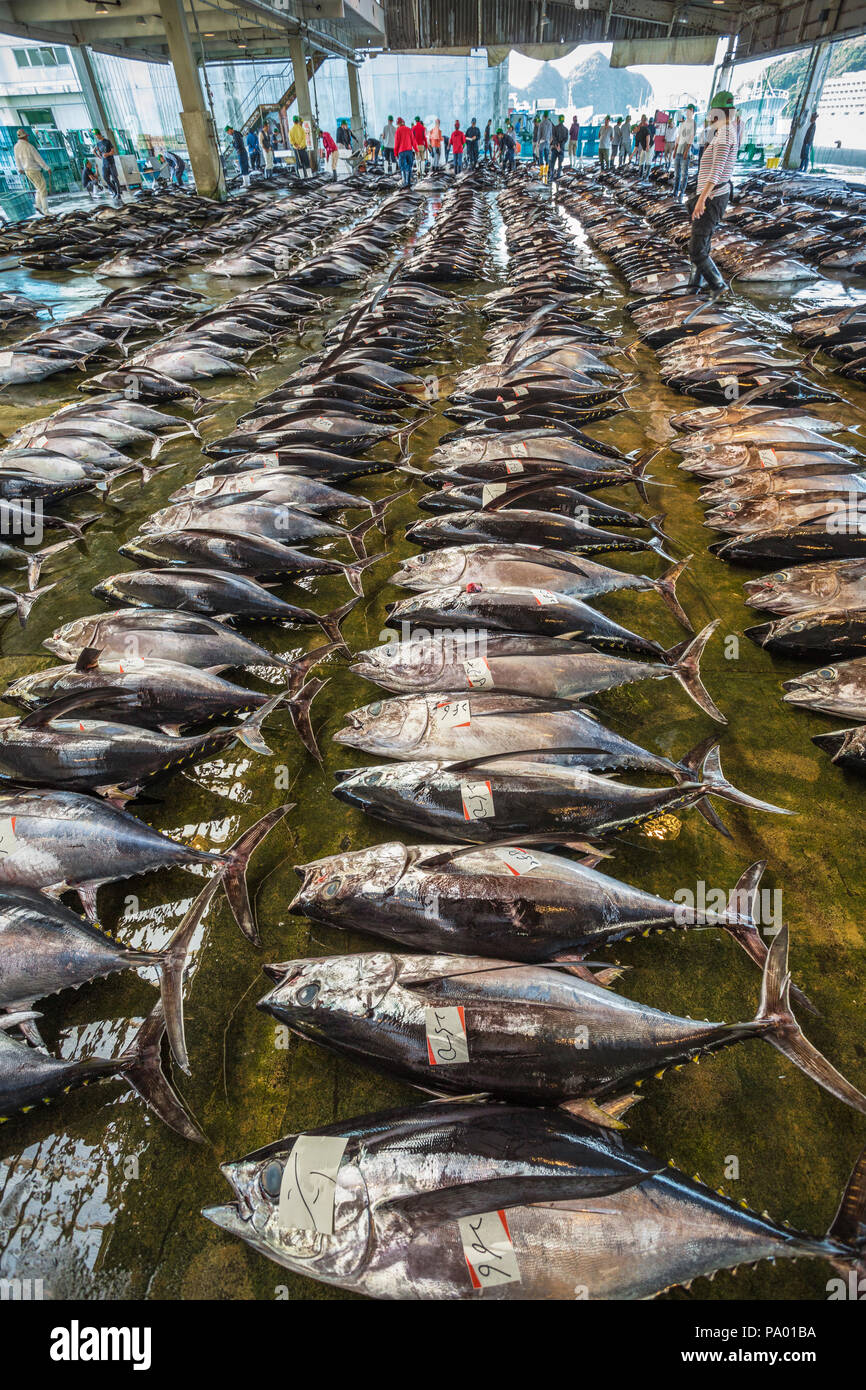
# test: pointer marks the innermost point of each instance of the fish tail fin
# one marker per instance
(142, 1067)
(402, 436)
(378, 509)
(638, 471)
(718, 785)
(690, 770)
(740, 921)
(667, 587)
(357, 533)
(171, 968)
(779, 1026)
(685, 663)
(331, 623)
(301, 665)
(654, 524)
(250, 731)
(34, 569)
(25, 602)
(848, 1227)
(234, 875)
(299, 709)
(353, 573)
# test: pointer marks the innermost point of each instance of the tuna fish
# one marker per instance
(455, 1200)
(525, 1033)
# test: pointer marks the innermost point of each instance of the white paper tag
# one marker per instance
(41, 442)
(447, 1042)
(6, 359)
(652, 279)
(519, 861)
(477, 800)
(490, 491)
(453, 714)
(478, 673)
(515, 466)
(323, 422)
(767, 457)
(309, 1183)
(544, 598)
(488, 1250)
(521, 448)
(520, 390)
(8, 839)
(129, 663)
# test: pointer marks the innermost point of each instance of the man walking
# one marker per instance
(558, 142)
(506, 146)
(473, 135)
(458, 140)
(29, 162)
(573, 140)
(298, 142)
(419, 137)
(545, 132)
(404, 149)
(106, 151)
(240, 150)
(605, 143)
(683, 151)
(714, 188)
(805, 149)
(388, 137)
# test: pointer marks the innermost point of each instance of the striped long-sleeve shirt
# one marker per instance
(719, 157)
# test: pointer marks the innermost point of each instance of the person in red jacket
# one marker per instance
(458, 140)
(419, 135)
(332, 154)
(404, 149)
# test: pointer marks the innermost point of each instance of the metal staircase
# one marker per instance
(261, 96)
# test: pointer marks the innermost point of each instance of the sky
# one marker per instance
(669, 82)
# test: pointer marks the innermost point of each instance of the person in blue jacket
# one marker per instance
(240, 150)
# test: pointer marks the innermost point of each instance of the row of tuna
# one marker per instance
(126, 705)
(779, 483)
(516, 1183)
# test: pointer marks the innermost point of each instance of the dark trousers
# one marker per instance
(556, 158)
(406, 161)
(472, 153)
(804, 158)
(388, 156)
(701, 235)
(109, 175)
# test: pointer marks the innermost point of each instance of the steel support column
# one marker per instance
(355, 101)
(198, 127)
(807, 99)
(297, 53)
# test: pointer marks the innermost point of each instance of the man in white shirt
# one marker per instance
(683, 151)
(29, 161)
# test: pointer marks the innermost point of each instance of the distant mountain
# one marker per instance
(788, 73)
(591, 82)
(609, 91)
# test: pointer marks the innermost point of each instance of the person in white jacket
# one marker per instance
(29, 161)
(682, 151)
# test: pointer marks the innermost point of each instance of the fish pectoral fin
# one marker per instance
(500, 1193)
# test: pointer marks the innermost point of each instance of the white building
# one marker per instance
(39, 87)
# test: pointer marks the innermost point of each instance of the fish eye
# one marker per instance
(375, 708)
(783, 576)
(796, 627)
(734, 507)
(421, 559)
(271, 1180)
(828, 673)
(307, 993)
(332, 887)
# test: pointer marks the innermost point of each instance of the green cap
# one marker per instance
(722, 101)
